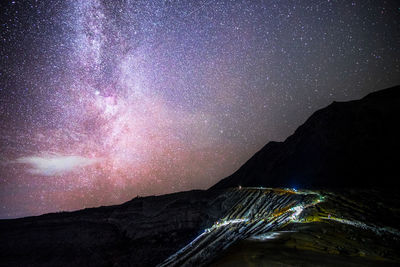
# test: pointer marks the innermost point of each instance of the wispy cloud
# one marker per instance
(50, 165)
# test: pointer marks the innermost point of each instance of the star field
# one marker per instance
(101, 101)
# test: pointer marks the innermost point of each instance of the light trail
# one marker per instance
(374, 228)
(257, 215)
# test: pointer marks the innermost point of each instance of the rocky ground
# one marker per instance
(323, 237)
(352, 227)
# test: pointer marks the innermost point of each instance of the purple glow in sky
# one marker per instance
(105, 100)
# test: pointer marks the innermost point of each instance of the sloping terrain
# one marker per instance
(244, 226)
(348, 144)
(258, 211)
(141, 232)
(347, 228)
(270, 227)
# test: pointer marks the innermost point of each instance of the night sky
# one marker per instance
(101, 101)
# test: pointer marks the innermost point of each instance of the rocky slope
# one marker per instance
(242, 226)
(347, 228)
(332, 227)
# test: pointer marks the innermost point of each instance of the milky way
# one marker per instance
(102, 101)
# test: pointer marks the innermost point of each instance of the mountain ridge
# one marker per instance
(341, 141)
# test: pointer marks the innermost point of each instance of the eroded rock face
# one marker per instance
(337, 224)
(150, 231)
(348, 228)
(258, 211)
(347, 144)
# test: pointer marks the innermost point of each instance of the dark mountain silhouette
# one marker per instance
(347, 144)
(351, 144)
(140, 232)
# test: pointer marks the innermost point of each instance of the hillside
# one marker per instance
(347, 144)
